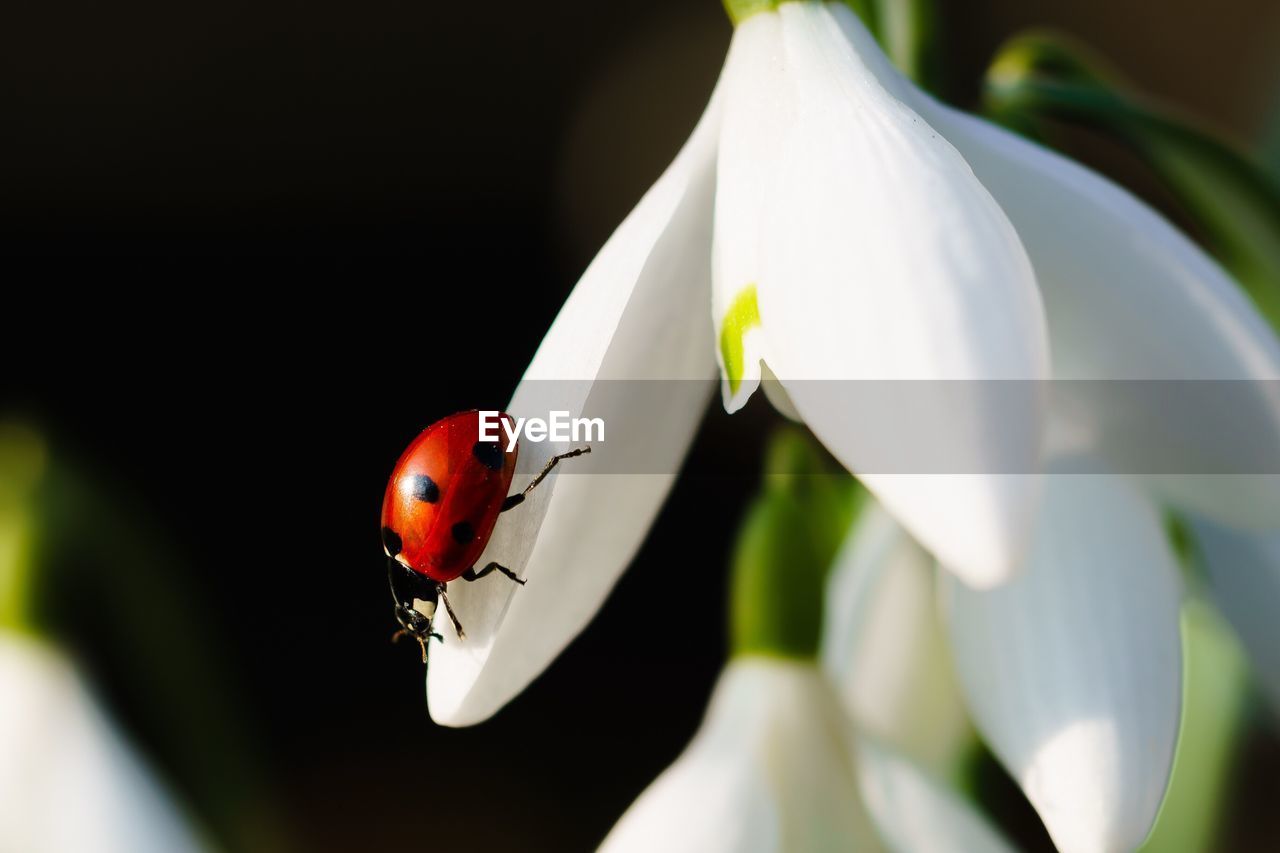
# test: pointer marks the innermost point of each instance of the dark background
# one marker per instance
(250, 249)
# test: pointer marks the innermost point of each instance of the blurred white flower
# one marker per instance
(885, 648)
(1071, 671)
(843, 225)
(68, 781)
(776, 766)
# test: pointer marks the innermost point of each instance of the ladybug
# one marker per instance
(439, 510)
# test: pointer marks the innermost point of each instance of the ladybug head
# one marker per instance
(414, 607)
(416, 625)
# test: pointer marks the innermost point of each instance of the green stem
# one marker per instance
(1232, 199)
(908, 30)
(740, 10)
(22, 462)
(16, 556)
(785, 548)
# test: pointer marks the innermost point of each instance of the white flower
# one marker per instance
(68, 782)
(776, 766)
(843, 225)
(1071, 671)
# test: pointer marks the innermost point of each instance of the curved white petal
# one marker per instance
(883, 644)
(1073, 670)
(68, 782)
(769, 770)
(916, 812)
(1130, 297)
(1244, 575)
(758, 105)
(884, 259)
(637, 314)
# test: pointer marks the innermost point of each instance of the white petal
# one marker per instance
(884, 648)
(1129, 297)
(68, 782)
(637, 314)
(915, 812)
(1244, 575)
(757, 110)
(886, 259)
(1073, 670)
(769, 770)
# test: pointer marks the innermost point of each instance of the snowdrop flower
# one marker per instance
(68, 782)
(842, 225)
(776, 766)
(770, 769)
(1071, 671)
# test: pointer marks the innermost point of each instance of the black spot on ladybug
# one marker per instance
(489, 454)
(391, 541)
(425, 489)
(463, 532)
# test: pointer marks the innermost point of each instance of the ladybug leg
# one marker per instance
(448, 608)
(422, 639)
(472, 575)
(515, 500)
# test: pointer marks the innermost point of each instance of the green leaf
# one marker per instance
(1214, 693)
(785, 548)
(1038, 79)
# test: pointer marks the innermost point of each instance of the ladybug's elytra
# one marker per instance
(441, 505)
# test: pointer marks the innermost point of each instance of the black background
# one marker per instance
(252, 248)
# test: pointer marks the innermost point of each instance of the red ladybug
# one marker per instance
(439, 510)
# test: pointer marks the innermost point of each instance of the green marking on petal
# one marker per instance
(742, 316)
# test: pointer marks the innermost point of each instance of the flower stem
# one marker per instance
(21, 466)
(785, 548)
(740, 10)
(1039, 79)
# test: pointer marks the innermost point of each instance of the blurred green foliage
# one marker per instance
(103, 582)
